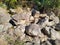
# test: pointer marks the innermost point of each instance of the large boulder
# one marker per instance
(33, 30)
(24, 16)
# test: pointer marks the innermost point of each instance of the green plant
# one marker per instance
(17, 42)
(10, 3)
(47, 3)
(2, 5)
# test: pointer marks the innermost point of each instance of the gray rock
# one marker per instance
(44, 21)
(22, 16)
(1, 28)
(4, 18)
(55, 34)
(4, 15)
(7, 26)
(46, 31)
(36, 41)
(19, 31)
(28, 43)
(33, 30)
(46, 43)
(57, 42)
(57, 27)
(54, 18)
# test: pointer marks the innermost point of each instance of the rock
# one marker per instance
(36, 41)
(19, 32)
(7, 26)
(22, 17)
(57, 27)
(48, 29)
(52, 42)
(57, 42)
(3, 41)
(33, 30)
(10, 31)
(12, 10)
(31, 19)
(45, 21)
(4, 18)
(1, 27)
(46, 43)
(33, 12)
(28, 43)
(41, 21)
(49, 23)
(55, 34)
(11, 21)
(54, 18)
(3, 10)
(46, 32)
(43, 15)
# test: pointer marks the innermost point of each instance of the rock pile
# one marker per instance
(37, 29)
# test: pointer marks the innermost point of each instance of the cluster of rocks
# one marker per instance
(31, 27)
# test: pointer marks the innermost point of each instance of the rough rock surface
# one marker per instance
(23, 28)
